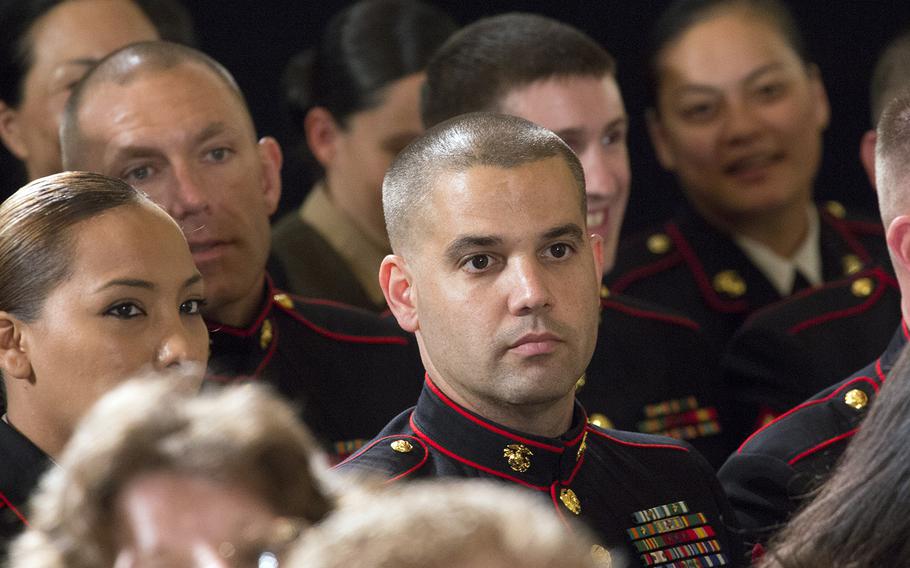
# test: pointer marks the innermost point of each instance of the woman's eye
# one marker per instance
(192, 307)
(125, 311)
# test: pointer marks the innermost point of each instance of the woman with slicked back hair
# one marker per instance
(96, 284)
(356, 98)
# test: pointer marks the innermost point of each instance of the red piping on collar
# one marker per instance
(647, 314)
(635, 444)
(822, 446)
(840, 226)
(807, 404)
(487, 426)
(273, 347)
(13, 509)
(701, 279)
(252, 328)
(422, 435)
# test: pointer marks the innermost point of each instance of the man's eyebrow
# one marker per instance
(570, 230)
(210, 131)
(464, 244)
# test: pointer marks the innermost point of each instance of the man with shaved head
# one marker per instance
(172, 121)
(496, 272)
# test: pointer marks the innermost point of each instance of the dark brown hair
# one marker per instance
(35, 240)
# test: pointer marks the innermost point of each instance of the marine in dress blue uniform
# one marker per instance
(787, 352)
(348, 371)
(650, 499)
(693, 268)
(774, 470)
(676, 394)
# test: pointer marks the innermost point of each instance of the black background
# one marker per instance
(254, 40)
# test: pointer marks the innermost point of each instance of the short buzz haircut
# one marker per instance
(891, 74)
(122, 67)
(892, 158)
(482, 63)
(466, 141)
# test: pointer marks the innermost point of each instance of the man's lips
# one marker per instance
(535, 344)
(203, 251)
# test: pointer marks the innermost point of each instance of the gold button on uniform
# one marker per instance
(600, 420)
(402, 446)
(284, 301)
(836, 209)
(658, 243)
(856, 398)
(729, 282)
(518, 457)
(604, 292)
(601, 556)
(582, 447)
(265, 334)
(582, 381)
(570, 500)
(862, 287)
(851, 264)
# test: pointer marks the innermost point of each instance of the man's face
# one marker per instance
(182, 136)
(588, 114)
(505, 281)
(64, 43)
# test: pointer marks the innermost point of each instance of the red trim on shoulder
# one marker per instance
(468, 462)
(363, 339)
(844, 228)
(320, 302)
(822, 446)
(419, 465)
(701, 279)
(807, 404)
(867, 304)
(642, 272)
(651, 315)
(7, 503)
(635, 444)
(487, 426)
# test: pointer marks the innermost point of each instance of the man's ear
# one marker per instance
(867, 154)
(395, 279)
(11, 131)
(898, 237)
(322, 135)
(659, 140)
(271, 158)
(14, 359)
(597, 247)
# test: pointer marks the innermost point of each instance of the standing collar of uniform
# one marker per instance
(476, 442)
(265, 307)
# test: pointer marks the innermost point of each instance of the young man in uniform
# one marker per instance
(496, 273)
(505, 64)
(172, 121)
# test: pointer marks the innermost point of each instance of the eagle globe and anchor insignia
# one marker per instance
(518, 456)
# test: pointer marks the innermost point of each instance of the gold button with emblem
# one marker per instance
(570, 500)
(836, 209)
(601, 556)
(518, 457)
(402, 446)
(658, 243)
(862, 287)
(600, 420)
(284, 301)
(582, 447)
(729, 282)
(851, 264)
(582, 381)
(265, 334)
(856, 398)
